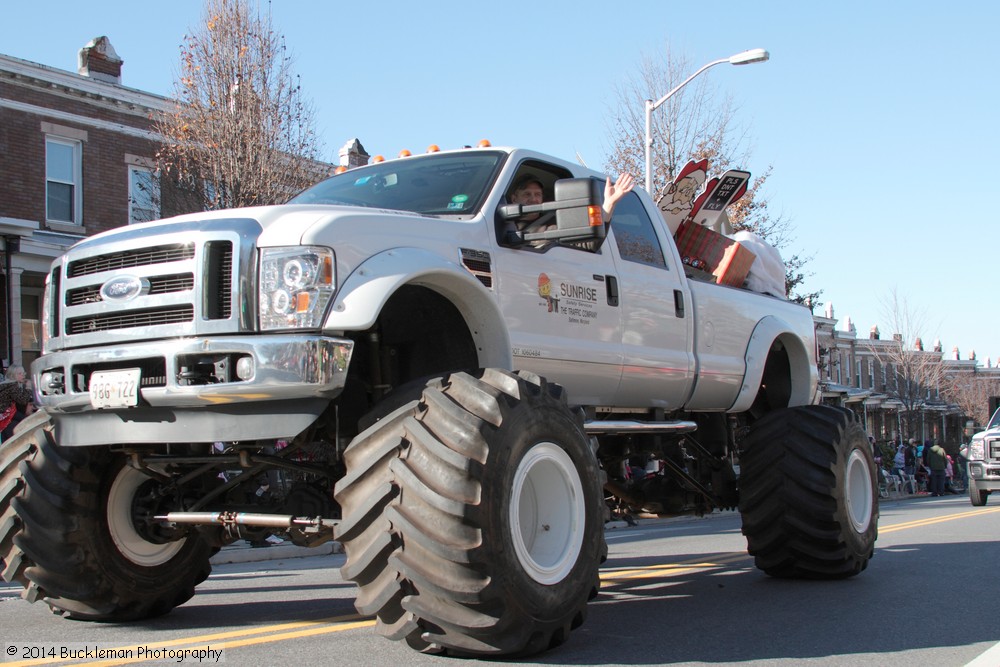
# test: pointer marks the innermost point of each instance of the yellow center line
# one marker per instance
(670, 569)
(291, 630)
(929, 522)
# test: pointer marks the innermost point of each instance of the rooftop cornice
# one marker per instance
(45, 77)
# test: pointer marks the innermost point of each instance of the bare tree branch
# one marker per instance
(693, 124)
(971, 393)
(241, 133)
(914, 374)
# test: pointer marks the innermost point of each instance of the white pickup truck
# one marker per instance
(983, 455)
(457, 404)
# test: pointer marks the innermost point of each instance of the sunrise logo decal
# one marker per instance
(545, 291)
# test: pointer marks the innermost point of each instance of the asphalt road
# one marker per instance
(675, 592)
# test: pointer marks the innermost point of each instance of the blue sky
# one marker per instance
(878, 118)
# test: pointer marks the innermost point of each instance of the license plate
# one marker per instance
(115, 389)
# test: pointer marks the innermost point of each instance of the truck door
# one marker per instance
(657, 317)
(561, 307)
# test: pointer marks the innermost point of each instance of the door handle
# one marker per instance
(612, 285)
(678, 303)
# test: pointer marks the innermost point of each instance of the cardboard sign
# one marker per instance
(719, 193)
(677, 202)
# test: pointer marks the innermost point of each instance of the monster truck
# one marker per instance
(455, 398)
(983, 456)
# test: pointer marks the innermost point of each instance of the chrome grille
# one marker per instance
(180, 282)
(130, 320)
(189, 276)
(125, 260)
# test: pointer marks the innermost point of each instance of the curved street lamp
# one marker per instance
(742, 58)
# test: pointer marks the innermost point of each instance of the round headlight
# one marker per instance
(293, 274)
(280, 301)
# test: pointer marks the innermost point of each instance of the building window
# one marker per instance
(143, 195)
(857, 374)
(63, 175)
(871, 373)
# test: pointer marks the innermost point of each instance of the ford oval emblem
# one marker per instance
(124, 288)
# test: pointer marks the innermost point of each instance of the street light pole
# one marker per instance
(743, 58)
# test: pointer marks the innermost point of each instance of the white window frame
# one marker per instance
(132, 171)
(77, 182)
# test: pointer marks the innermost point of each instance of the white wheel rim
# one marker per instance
(123, 533)
(859, 491)
(547, 513)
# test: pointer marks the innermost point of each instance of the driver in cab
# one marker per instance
(528, 191)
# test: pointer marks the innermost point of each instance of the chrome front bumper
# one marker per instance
(986, 475)
(293, 379)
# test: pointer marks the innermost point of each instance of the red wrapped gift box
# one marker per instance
(725, 259)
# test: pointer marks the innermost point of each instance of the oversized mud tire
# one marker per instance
(977, 497)
(472, 517)
(67, 535)
(809, 493)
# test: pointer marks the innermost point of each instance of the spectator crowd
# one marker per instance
(920, 468)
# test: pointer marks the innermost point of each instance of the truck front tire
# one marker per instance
(473, 517)
(68, 536)
(808, 493)
(977, 497)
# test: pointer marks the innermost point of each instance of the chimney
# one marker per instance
(99, 61)
(352, 154)
(874, 334)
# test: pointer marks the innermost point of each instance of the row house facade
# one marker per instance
(865, 375)
(77, 157)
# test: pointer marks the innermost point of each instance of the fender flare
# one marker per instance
(802, 366)
(364, 293)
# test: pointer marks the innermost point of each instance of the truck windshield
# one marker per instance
(434, 184)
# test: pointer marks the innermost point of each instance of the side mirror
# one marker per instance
(579, 216)
(578, 213)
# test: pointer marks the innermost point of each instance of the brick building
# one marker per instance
(858, 373)
(76, 158)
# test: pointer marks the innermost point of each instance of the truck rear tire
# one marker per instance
(977, 497)
(473, 517)
(67, 533)
(808, 493)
